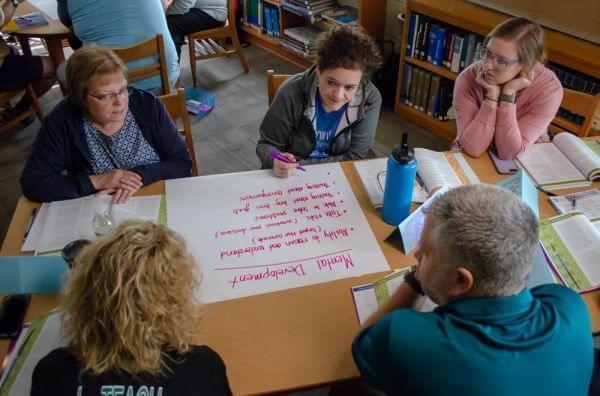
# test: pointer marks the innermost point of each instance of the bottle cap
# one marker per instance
(402, 153)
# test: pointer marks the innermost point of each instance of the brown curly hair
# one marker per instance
(348, 47)
(130, 300)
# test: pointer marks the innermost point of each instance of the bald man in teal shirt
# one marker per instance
(489, 335)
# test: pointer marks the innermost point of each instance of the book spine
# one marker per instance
(433, 93)
(411, 33)
(456, 53)
(470, 48)
(433, 34)
(406, 76)
(416, 102)
(425, 92)
(463, 55)
(424, 40)
(439, 47)
(414, 84)
(414, 37)
(448, 50)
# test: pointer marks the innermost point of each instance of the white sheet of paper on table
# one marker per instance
(254, 233)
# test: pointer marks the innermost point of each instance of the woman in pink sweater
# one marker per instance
(508, 98)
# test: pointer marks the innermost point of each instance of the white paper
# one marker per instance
(372, 175)
(47, 340)
(69, 220)
(254, 233)
(436, 171)
(35, 232)
(586, 202)
(48, 7)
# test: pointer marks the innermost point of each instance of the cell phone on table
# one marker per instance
(504, 167)
(12, 313)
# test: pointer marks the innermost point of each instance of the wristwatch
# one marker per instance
(507, 98)
(15, 3)
(413, 282)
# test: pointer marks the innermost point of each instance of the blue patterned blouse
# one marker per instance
(127, 149)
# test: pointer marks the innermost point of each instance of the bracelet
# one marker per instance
(413, 282)
(492, 98)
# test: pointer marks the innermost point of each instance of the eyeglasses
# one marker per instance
(498, 63)
(123, 92)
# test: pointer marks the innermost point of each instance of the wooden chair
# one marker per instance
(175, 105)
(7, 96)
(578, 103)
(273, 83)
(152, 47)
(228, 30)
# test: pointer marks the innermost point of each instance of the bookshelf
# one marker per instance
(574, 53)
(371, 16)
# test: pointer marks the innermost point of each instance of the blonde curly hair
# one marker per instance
(130, 300)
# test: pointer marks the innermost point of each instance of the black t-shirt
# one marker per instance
(200, 372)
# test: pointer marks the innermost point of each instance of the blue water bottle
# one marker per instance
(399, 183)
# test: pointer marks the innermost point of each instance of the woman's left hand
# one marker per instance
(518, 83)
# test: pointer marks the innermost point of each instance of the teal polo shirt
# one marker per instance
(537, 342)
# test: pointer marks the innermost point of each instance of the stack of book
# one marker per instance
(312, 9)
(441, 45)
(342, 15)
(301, 40)
(426, 92)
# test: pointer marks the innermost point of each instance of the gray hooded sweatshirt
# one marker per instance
(290, 123)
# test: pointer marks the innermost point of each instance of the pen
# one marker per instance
(573, 203)
(281, 158)
(29, 223)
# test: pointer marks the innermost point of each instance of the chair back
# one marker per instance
(580, 105)
(154, 46)
(175, 105)
(273, 83)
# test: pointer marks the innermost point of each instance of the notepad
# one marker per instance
(586, 202)
(565, 163)
(522, 187)
(25, 21)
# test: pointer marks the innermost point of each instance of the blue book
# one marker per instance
(411, 34)
(433, 36)
(471, 54)
(436, 48)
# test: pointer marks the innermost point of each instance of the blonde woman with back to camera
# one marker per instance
(130, 317)
(508, 98)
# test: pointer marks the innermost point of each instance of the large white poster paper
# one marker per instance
(253, 233)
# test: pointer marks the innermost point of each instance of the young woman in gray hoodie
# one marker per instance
(328, 113)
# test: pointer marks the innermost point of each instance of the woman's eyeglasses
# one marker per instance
(123, 92)
(498, 63)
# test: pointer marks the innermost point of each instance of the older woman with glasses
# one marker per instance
(104, 137)
(508, 98)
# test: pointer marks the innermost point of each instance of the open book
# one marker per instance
(566, 162)
(439, 169)
(435, 169)
(61, 222)
(573, 245)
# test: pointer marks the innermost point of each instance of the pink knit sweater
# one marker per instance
(510, 129)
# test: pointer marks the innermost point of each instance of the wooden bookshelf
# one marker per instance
(561, 48)
(371, 16)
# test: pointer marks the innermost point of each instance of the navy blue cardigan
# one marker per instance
(60, 163)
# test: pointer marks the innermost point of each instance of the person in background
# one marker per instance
(490, 334)
(328, 113)
(104, 137)
(130, 317)
(189, 16)
(17, 71)
(117, 24)
(508, 98)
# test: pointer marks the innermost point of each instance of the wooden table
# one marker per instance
(289, 339)
(53, 34)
